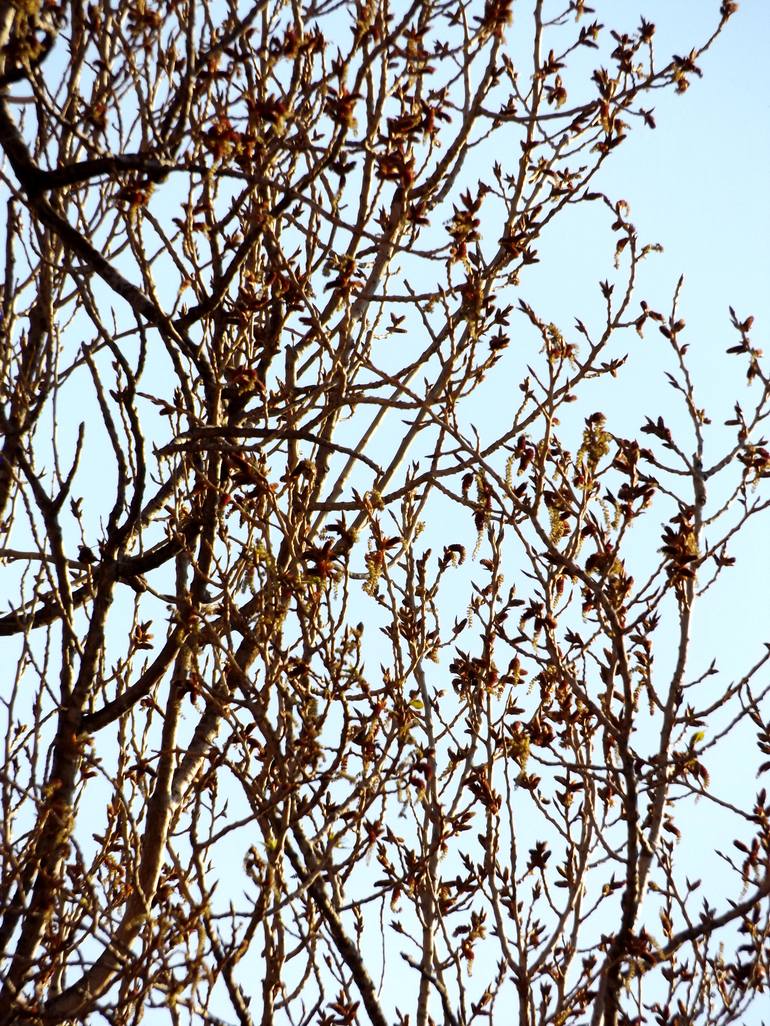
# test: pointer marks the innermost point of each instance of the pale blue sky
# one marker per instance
(699, 183)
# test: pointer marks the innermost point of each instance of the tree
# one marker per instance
(330, 706)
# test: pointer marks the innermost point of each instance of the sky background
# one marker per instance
(698, 184)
